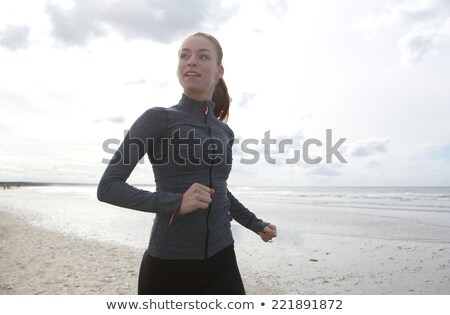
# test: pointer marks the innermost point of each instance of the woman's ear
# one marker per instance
(221, 72)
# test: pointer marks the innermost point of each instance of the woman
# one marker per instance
(191, 246)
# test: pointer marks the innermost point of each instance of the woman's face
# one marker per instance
(198, 71)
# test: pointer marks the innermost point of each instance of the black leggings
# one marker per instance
(218, 274)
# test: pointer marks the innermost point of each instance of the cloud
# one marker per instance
(160, 21)
(160, 83)
(414, 46)
(374, 164)
(368, 147)
(77, 25)
(13, 102)
(14, 37)
(329, 170)
(441, 153)
(422, 26)
(245, 99)
(112, 119)
(277, 7)
(136, 82)
(4, 127)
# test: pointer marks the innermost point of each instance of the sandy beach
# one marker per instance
(37, 261)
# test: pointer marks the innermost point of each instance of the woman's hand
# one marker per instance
(269, 232)
(198, 196)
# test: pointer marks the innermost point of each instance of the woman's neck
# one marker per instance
(198, 96)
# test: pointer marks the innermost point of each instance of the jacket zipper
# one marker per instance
(210, 184)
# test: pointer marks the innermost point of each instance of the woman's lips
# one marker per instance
(191, 74)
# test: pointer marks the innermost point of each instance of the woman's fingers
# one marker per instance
(270, 230)
(265, 237)
(268, 233)
(274, 229)
(198, 196)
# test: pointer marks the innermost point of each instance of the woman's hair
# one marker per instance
(220, 96)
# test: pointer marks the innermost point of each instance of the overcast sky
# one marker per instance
(76, 73)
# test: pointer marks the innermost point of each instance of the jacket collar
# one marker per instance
(196, 106)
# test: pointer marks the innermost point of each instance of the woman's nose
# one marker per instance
(192, 61)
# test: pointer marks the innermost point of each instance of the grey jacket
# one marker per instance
(186, 144)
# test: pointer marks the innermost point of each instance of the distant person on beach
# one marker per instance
(191, 248)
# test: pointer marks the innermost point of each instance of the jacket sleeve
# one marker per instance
(244, 216)
(113, 188)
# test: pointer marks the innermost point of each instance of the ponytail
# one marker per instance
(222, 100)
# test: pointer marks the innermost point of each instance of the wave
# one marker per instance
(374, 196)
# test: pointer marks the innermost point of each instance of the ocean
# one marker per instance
(420, 214)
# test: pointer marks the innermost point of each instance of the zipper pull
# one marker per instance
(206, 111)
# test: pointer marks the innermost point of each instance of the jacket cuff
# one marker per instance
(259, 226)
(167, 202)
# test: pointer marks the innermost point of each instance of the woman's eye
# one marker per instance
(183, 56)
(204, 57)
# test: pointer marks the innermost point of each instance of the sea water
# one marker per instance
(393, 213)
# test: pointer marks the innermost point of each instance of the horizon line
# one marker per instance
(31, 183)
